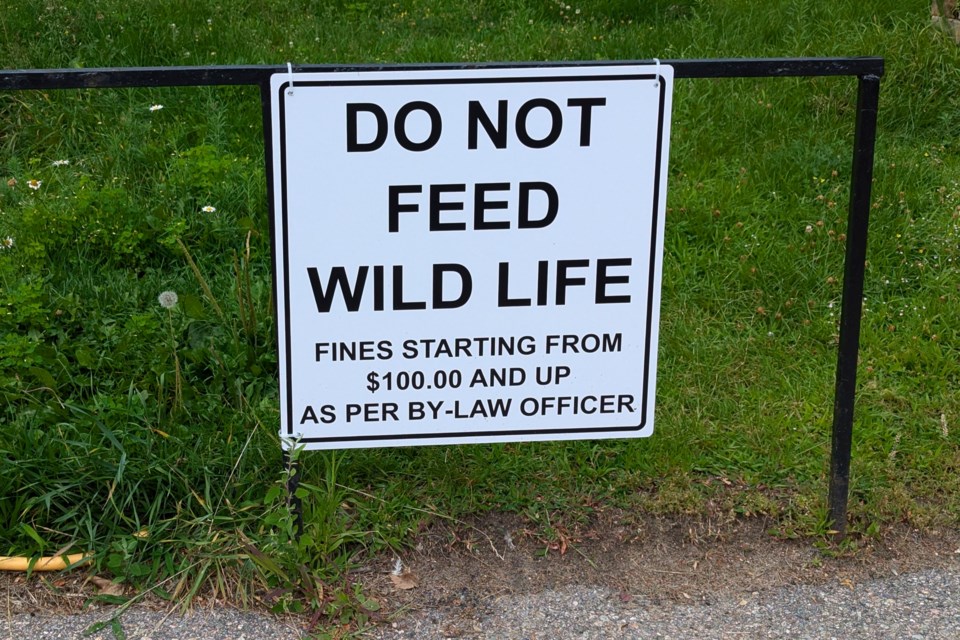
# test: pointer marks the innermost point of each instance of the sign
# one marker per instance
(469, 256)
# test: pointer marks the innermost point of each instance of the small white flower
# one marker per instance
(6, 243)
(156, 107)
(809, 228)
(34, 184)
(168, 299)
(60, 163)
(209, 209)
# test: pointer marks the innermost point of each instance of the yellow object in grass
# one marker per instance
(46, 563)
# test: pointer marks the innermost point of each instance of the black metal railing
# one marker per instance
(867, 70)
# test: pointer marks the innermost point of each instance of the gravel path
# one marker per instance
(144, 624)
(923, 605)
(911, 606)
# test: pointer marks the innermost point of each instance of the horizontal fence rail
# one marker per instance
(257, 74)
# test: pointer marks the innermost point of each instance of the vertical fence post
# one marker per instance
(294, 503)
(858, 217)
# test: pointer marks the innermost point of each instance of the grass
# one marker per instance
(149, 436)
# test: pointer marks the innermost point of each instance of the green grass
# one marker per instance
(149, 437)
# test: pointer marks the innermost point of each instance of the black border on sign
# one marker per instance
(289, 418)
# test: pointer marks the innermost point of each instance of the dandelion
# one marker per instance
(156, 107)
(60, 163)
(6, 243)
(34, 184)
(209, 209)
(168, 299)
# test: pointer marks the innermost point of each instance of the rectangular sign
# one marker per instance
(469, 256)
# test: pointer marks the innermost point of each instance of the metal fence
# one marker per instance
(868, 72)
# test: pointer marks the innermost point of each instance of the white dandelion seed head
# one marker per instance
(34, 184)
(156, 107)
(168, 299)
(209, 209)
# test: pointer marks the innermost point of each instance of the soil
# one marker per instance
(459, 569)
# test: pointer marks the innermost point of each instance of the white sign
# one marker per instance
(469, 255)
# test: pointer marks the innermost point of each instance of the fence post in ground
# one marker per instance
(857, 222)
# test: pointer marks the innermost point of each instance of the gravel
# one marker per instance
(923, 605)
(145, 624)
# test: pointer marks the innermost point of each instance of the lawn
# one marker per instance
(146, 432)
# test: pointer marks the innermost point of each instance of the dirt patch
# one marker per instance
(464, 568)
